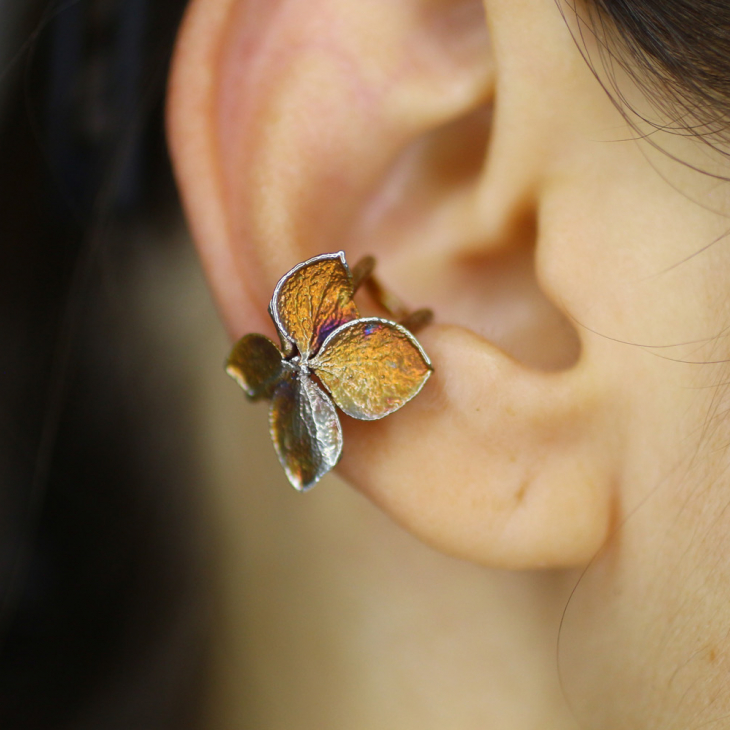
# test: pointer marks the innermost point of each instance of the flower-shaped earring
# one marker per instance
(369, 366)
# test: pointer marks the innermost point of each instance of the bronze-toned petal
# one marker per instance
(312, 300)
(255, 364)
(305, 429)
(371, 367)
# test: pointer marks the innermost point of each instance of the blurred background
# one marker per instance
(104, 614)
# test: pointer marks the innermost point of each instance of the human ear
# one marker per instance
(421, 133)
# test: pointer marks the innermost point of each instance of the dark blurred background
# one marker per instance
(103, 608)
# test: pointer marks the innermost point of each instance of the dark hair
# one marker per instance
(678, 51)
(102, 604)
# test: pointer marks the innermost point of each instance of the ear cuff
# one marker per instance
(329, 356)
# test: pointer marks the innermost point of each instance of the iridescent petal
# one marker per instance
(371, 367)
(312, 300)
(305, 429)
(255, 364)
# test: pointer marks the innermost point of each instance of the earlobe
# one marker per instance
(498, 463)
(304, 127)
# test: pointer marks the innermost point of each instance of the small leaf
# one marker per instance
(305, 429)
(371, 367)
(312, 300)
(255, 364)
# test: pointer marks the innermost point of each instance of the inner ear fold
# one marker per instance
(440, 163)
(499, 297)
(423, 223)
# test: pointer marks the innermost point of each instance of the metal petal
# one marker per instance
(312, 300)
(305, 429)
(371, 367)
(255, 364)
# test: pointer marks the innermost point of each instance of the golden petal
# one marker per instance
(305, 429)
(371, 367)
(255, 364)
(312, 300)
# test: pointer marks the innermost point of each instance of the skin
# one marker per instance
(573, 428)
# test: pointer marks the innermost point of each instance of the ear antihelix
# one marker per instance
(298, 112)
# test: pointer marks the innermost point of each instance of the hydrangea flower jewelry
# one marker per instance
(369, 366)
